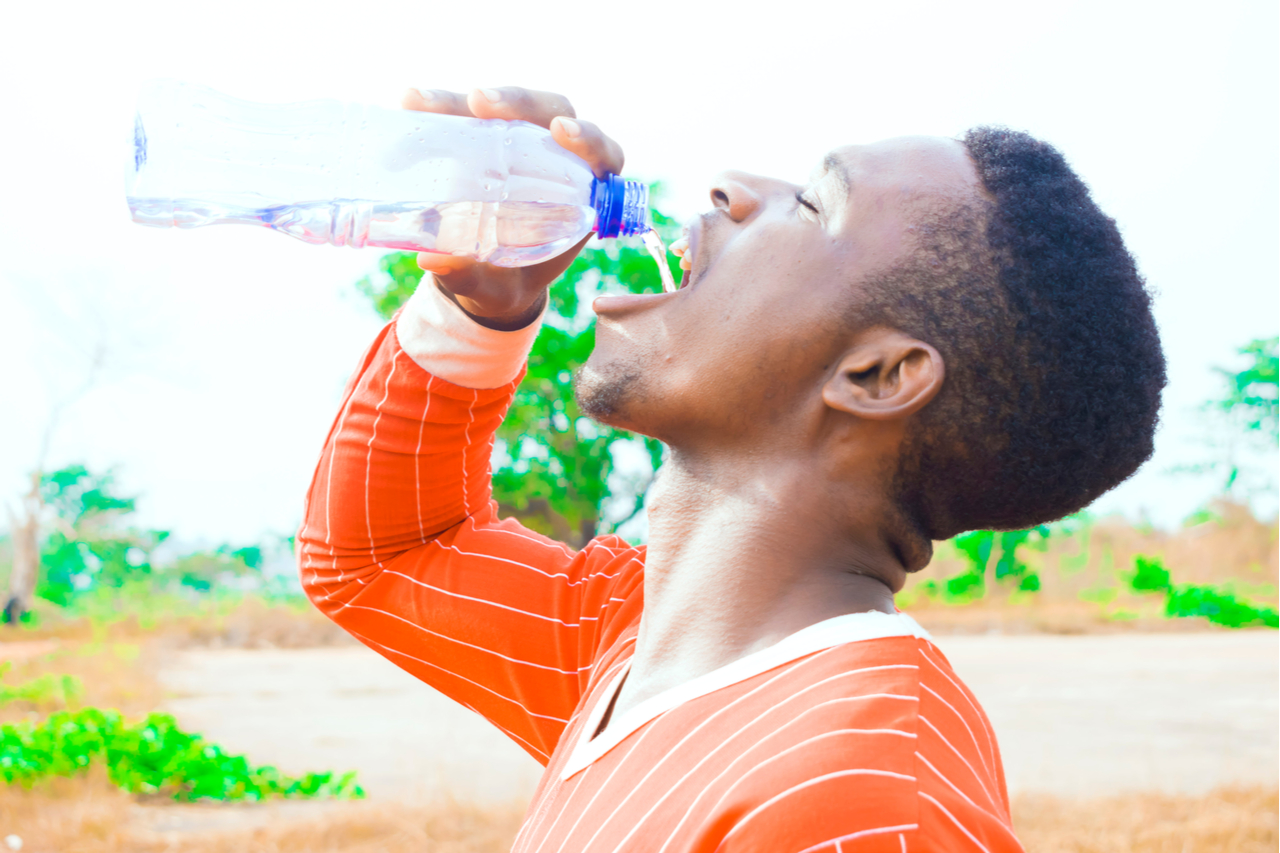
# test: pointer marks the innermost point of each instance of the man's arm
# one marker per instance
(401, 543)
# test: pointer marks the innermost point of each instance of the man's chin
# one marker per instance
(608, 393)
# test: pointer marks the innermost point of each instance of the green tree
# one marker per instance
(1244, 421)
(553, 468)
(978, 547)
(90, 544)
(200, 570)
(1252, 396)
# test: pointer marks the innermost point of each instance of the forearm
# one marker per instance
(401, 544)
(408, 455)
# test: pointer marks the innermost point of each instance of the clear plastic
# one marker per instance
(354, 175)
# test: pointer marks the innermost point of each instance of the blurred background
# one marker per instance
(167, 393)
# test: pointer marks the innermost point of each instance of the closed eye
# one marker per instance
(800, 199)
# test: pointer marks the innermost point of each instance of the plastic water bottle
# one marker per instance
(351, 175)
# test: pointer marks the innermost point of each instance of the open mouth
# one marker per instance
(686, 249)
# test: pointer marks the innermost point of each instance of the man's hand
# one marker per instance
(512, 297)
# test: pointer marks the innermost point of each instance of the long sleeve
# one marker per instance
(402, 546)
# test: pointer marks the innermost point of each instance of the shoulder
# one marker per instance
(610, 549)
(841, 764)
(612, 594)
(963, 799)
(877, 754)
(614, 567)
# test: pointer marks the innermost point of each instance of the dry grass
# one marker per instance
(67, 815)
(385, 829)
(1083, 578)
(88, 816)
(117, 662)
(119, 675)
(247, 623)
(1002, 616)
(1229, 820)
(254, 624)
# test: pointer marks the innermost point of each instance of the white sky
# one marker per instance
(226, 348)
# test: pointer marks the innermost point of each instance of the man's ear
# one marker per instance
(884, 376)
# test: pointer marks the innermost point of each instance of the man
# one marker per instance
(930, 336)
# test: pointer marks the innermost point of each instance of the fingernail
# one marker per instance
(493, 96)
(570, 127)
(427, 95)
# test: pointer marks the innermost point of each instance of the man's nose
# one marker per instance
(737, 194)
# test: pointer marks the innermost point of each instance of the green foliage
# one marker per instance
(978, 546)
(1030, 582)
(1219, 605)
(1251, 394)
(1243, 422)
(400, 277)
(46, 689)
(150, 757)
(1149, 575)
(200, 570)
(975, 546)
(75, 493)
(93, 550)
(554, 468)
(90, 544)
(73, 564)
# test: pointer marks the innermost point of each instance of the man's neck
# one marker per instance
(738, 559)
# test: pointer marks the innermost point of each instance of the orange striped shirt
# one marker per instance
(853, 734)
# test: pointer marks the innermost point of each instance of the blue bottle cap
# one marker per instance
(622, 207)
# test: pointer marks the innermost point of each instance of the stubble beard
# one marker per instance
(607, 395)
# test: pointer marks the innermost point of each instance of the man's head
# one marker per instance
(953, 319)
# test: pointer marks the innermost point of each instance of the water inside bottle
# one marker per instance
(506, 233)
(653, 243)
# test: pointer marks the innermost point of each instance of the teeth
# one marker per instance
(679, 248)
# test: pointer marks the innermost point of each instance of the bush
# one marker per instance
(1219, 605)
(151, 757)
(1149, 575)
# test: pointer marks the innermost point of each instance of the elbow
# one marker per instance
(329, 579)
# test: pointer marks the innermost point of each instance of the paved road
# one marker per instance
(1083, 715)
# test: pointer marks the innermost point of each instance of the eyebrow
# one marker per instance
(835, 165)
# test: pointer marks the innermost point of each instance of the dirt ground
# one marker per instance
(1097, 715)
(1126, 743)
(1076, 716)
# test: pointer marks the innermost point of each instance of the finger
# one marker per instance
(588, 142)
(441, 264)
(512, 102)
(435, 101)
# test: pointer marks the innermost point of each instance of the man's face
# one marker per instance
(759, 320)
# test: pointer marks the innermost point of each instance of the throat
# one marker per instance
(740, 557)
